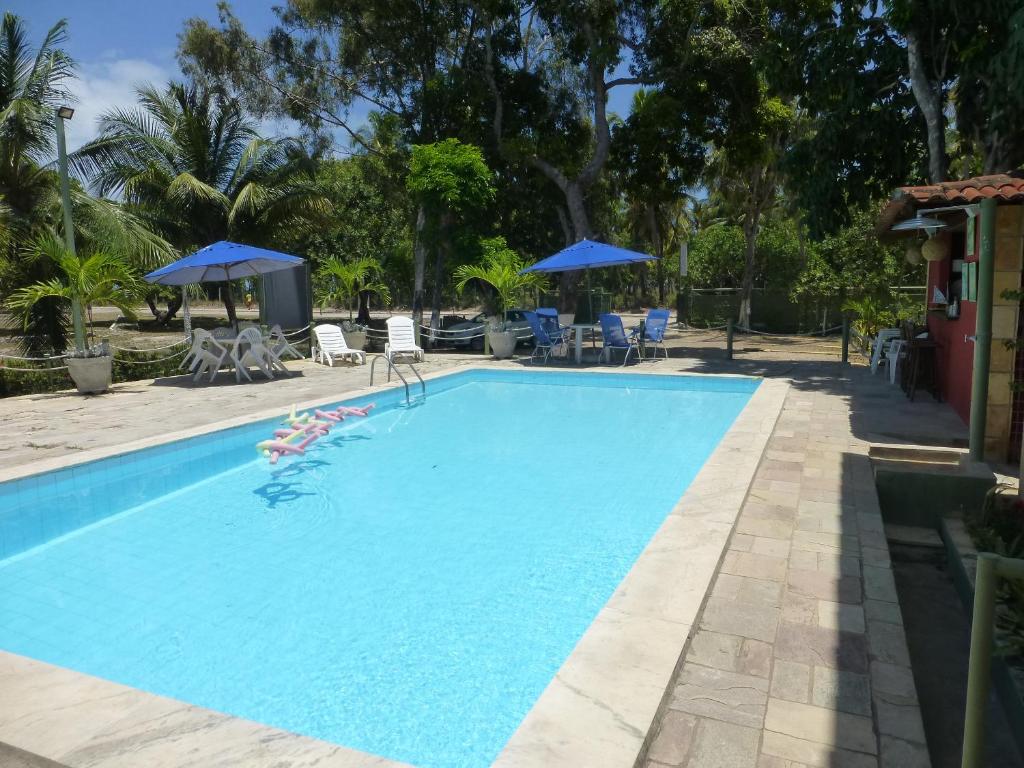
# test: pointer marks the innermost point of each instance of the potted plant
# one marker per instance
(342, 283)
(500, 269)
(81, 280)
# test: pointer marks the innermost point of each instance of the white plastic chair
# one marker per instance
(250, 350)
(279, 344)
(882, 340)
(894, 355)
(329, 344)
(206, 355)
(401, 339)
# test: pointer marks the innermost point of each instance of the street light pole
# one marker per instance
(61, 114)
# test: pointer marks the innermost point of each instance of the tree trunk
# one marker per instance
(229, 303)
(568, 281)
(438, 295)
(751, 222)
(928, 95)
(419, 266)
(173, 305)
(363, 313)
(656, 242)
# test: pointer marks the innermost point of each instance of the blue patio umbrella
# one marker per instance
(587, 254)
(221, 262)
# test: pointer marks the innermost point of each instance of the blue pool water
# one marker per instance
(408, 588)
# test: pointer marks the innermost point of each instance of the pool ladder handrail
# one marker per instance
(392, 366)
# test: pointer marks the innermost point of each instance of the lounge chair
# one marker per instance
(249, 350)
(615, 337)
(206, 355)
(402, 339)
(329, 345)
(545, 339)
(654, 330)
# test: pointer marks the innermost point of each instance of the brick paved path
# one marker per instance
(800, 657)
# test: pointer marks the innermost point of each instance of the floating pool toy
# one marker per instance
(303, 429)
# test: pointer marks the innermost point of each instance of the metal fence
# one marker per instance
(771, 310)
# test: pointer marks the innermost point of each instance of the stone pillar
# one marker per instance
(1008, 263)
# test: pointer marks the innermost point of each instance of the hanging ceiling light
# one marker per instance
(918, 222)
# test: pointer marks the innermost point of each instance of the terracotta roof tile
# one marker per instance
(1004, 187)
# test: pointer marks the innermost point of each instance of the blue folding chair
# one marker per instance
(654, 330)
(544, 338)
(615, 337)
(549, 319)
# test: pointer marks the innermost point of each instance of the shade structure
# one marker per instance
(587, 254)
(222, 261)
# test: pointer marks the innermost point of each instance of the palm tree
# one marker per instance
(191, 162)
(500, 269)
(92, 278)
(32, 85)
(341, 282)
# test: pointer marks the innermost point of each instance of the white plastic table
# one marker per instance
(577, 332)
(233, 354)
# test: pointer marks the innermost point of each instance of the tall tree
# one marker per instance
(33, 82)
(192, 162)
(409, 59)
(449, 180)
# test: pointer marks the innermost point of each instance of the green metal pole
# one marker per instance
(979, 669)
(728, 339)
(69, 226)
(846, 338)
(983, 330)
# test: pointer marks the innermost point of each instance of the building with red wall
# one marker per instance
(952, 320)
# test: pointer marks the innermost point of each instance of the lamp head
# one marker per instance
(919, 222)
(65, 113)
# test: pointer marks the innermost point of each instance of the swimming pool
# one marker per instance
(407, 589)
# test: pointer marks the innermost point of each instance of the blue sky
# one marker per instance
(121, 43)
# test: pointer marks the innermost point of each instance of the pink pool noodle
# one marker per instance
(283, 448)
(334, 417)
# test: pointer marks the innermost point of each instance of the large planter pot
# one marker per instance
(503, 343)
(355, 339)
(91, 374)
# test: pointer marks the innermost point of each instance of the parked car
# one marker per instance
(470, 333)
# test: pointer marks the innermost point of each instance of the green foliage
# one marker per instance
(93, 278)
(872, 314)
(998, 527)
(339, 283)
(450, 176)
(716, 256)
(500, 269)
(853, 260)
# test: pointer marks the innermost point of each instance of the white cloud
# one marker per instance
(103, 85)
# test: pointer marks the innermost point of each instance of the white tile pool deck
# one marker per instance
(787, 662)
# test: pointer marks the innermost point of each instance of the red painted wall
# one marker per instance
(956, 356)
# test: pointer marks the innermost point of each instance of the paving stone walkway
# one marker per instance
(799, 658)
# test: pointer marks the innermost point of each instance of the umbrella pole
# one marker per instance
(186, 316)
(227, 287)
(590, 296)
